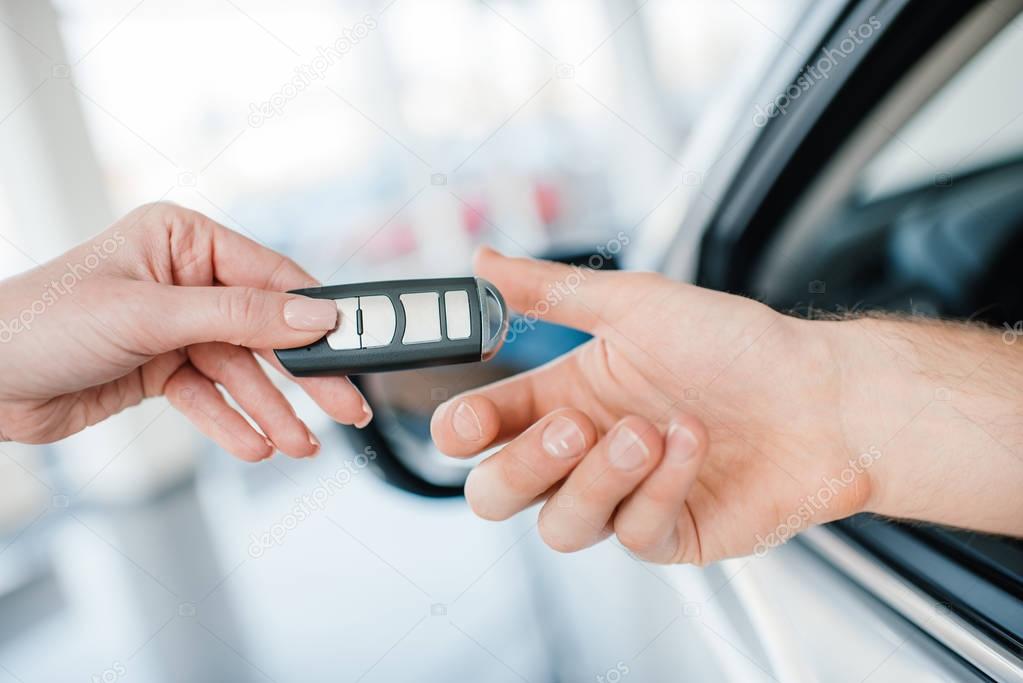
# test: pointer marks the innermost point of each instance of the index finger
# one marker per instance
(203, 252)
(576, 296)
(238, 260)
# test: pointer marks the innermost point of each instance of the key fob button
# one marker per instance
(456, 312)
(422, 317)
(346, 335)
(400, 325)
(378, 321)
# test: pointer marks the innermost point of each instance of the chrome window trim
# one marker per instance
(915, 605)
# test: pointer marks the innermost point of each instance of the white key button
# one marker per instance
(422, 317)
(456, 311)
(378, 321)
(346, 335)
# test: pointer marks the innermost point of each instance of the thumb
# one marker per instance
(570, 295)
(244, 316)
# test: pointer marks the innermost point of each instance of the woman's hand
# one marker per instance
(166, 301)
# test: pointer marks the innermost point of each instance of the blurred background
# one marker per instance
(367, 141)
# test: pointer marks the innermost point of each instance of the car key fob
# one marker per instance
(401, 325)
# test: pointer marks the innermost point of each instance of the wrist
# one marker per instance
(937, 402)
(844, 421)
(882, 390)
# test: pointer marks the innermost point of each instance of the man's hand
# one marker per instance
(695, 425)
(166, 301)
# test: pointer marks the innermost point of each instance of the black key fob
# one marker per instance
(403, 324)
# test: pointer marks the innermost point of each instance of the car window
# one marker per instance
(932, 219)
(975, 121)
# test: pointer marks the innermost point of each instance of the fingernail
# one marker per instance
(367, 415)
(466, 423)
(680, 446)
(273, 449)
(562, 438)
(313, 441)
(626, 451)
(310, 315)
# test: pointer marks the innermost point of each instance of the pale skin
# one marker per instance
(165, 302)
(697, 423)
(692, 425)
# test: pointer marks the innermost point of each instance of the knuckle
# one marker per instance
(224, 363)
(240, 304)
(186, 226)
(689, 554)
(638, 540)
(640, 426)
(170, 210)
(602, 491)
(282, 272)
(664, 494)
(159, 209)
(518, 476)
(161, 216)
(696, 560)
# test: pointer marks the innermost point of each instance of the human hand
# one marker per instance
(697, 425)
(691, 425)
(164, 302)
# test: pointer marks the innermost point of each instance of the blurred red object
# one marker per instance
(393, 241)
(548, 202)
(474, 213)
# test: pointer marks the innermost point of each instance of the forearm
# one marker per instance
(943, 405)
